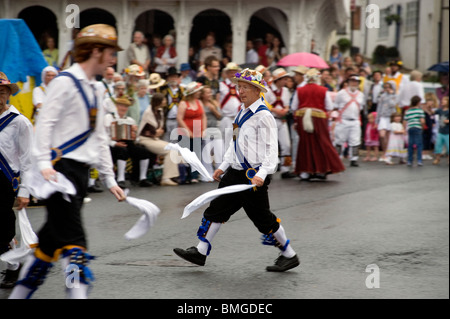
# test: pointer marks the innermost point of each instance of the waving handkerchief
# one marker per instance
(43, 189)
(28, 240)
(210, 196)
(149, 212)
(192, 159)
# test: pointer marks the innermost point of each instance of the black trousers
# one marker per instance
(136, 153)
(7, 215)
(64, 221)
(256, 204)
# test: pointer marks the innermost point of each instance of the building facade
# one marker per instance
(419, 29)
(297, 22)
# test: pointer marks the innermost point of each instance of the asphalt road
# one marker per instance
(396, 218)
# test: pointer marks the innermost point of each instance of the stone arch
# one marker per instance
(153, 23)
(211, 20)
(42, 22)
(269, 19)
(95, 16)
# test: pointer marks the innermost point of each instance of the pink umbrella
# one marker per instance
(303, 58)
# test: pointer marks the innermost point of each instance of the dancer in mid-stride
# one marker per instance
(16, 135)
(70, 138)
(251, 158)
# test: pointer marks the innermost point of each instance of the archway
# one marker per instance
(95, 16)
(268, 20)
(154, 23)
(42, 23)
(211, 21)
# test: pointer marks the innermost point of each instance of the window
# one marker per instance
(412, 14)
(383, 32)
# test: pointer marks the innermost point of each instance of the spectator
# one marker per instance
(227, 54)
(410, 89)
(444, 90)
(429, 107)
(150, 131)
(138, 52)
(335, 56)
(443, 134)
(313, 47)
(361, 64)
(142, 96)
(396, 76)
(385, 108)
(211, 75)
(210, 49)
(108, 81)
(186, 74)
(262, 50)
(213, 137)
(372, 138)
(326, 80)
(51, 54)
(252, 55)
(166, 56)
(275, 52)
(396, 146)
(39, 93)
(375, 91)
(192, 122)
(414, 121)
(123, 148)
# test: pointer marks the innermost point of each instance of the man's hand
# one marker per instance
(258, 181)
(22, 202)
(217, 175)
(118, 193)
(49, 174)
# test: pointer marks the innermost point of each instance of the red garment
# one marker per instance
(162, 49)
(193, 119)
(262, 55)
(316, 154)
(312, 95)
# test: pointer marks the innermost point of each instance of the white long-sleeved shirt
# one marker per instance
(15, 145)
(231, 107)
(64, 116)
(258, 141)
(352, 112)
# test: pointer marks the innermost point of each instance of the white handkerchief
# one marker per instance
(210, 196)
(28, 240)
(149, 212)
(42, 189)
(192, 159)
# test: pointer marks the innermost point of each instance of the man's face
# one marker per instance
(4, 97)
(109, 74)
(248, 93)
(106, 59)
(377, 77)
(138, 38)
(214, 68)
(120, 90)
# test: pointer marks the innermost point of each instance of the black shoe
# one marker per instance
(192, 255)
(122, 184)
(354, 164)
(322, 177)
(95, 189)
(288, 175)
(10, 279)
(145, 183)
(283, 264)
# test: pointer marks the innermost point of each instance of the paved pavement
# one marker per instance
(396, 218)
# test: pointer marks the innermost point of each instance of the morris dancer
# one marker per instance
(16, 135)
(250, 159)
(349, 103)
(70, 137)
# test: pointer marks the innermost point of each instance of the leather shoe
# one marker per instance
(283, 264)
(191, 255)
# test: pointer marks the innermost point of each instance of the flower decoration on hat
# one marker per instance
(252, 77)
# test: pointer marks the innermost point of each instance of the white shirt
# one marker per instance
(408, 91)
(376, 90)
(231, 107)
(295, 102)
(258, 141)
(252, 57)
(352, 112)
(39, 94)
(64, 116)
(15, 146)
(285, 96)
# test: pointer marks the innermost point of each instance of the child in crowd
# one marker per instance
(415, 120)
(432, 103)
(443, 134)
(396, 146)
(372, 138)
(387, 102)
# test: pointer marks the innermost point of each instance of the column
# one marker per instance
(239, 26)
(183, 28)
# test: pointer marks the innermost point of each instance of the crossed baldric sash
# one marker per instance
(14, 178)
(250, 172)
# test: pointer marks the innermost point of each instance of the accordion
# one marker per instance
(121, 132)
